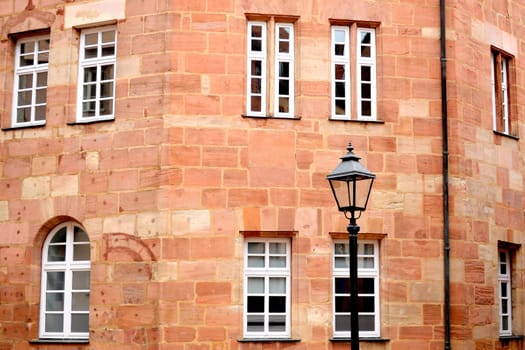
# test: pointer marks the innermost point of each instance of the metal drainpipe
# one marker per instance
(444, 125)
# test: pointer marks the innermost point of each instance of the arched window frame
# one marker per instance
(74, 289)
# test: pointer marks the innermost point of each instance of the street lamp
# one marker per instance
(351, 183)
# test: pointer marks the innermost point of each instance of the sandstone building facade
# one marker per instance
(163, 173)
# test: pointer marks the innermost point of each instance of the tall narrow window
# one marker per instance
(275, 99)
(368, 289)
(256, 90)
(505, 300)
(267, 288)
(64, 305)
(97, 74)
(284, 66)
(353, 79)
(30, 81)
(501, 101)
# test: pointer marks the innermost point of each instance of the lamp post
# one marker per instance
(351, 183)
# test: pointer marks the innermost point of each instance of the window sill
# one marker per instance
(507, 338)
(59, 341)
(269, 117)
(506, 135)
(364, 340)
(268, 340)
(371, 121)
(34, 126)
(95, 121)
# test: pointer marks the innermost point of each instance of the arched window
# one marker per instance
(64, 303)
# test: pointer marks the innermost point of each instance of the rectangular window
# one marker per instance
(505, 292)
(368, 289)
(280, 100)
(267, 288)
(361, 86)
(96, 94)
(30, 81)
(501, 101)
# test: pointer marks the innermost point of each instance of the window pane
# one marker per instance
(255, 323)
(277, 285)
(284, 33)
(256, 68)
(340, 72)
(79, 235)
(80, 301)
(41, 79)
(88, 109)
(342, 304)
(106, 107)
(108, 36)
(55, 301)
(80, 322)
(90, 74)
(504, 306)
(255, 304)
(339, 50)
(90, 52)
(284, 87)
(256, 86)
(284, 105)
(25, 81)
(277, 323)
(284, 69)
(255, 261)
(340, 107)
(284, 46)
(81, 280)
(43, 45)
(366, 304)
(505, 323)
(54, 322)
(366, 323)
(81, 252)
(255, 285)
(366, 73)
(56, 253)
(108, 50)
(339, 36)
(91, 39)
(365, 285)
(43, 57)
(342, 285)
(277, 261)
(340, 90)
(503, 289)
(24, 98)
(41, 96)
(27, 47)
(277, 248)
(365, 263)
(60, 236)
(256, 45)
(341, 262)
(366, 91)
(257, 31)
(90, 91)
(256, 103)
(342, 323)
(277, 304)
(366, 108)
(23, 115)
(40, 113)
(55, 280)
(107, 72)
(106, 90)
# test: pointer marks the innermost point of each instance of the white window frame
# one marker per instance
(284, 57)
(363, 272)
(504, 91)
(341, 60)
(97, 62)
(267, 272)
(68, 266)
(253, 56)
(370, 62)
(33, 70)
(505, 292)
(353, 62)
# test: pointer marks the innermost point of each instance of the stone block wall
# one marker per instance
(166, 188)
